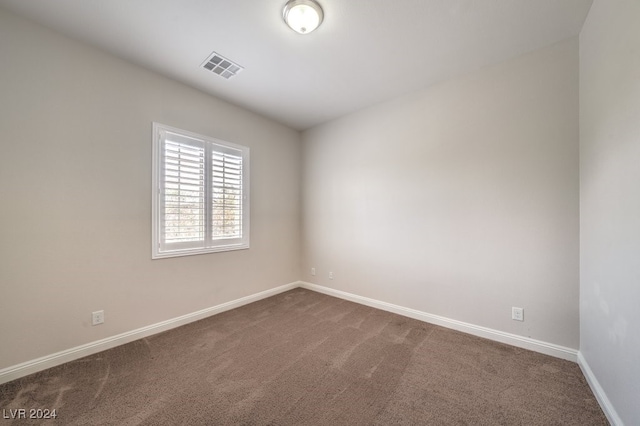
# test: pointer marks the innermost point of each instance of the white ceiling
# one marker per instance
(366, 51)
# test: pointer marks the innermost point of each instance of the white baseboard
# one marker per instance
(33, 366)
(39, 364)
(29, 367)
(488, 333)
(601, 396)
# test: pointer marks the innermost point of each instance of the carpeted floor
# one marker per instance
(303, 358)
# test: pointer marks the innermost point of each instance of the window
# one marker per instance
(200, 194)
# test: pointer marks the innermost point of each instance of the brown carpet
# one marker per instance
(306, 358)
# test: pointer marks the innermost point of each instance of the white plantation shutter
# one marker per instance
(226, 196)
(182, 212)
(200, 198)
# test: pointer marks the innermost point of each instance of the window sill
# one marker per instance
(192, 252)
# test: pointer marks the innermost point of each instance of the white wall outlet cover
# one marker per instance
(517, 314)
(97, 317)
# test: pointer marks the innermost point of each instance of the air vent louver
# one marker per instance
(222, 66)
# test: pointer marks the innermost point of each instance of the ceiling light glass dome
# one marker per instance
(303, 16)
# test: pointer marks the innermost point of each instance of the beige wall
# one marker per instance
(75, 194)
(610, 202)
(460, 200)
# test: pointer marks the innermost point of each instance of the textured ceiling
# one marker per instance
(366, 51)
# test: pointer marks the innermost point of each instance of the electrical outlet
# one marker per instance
(330, 275)
(97, 317)
(313, 271)
(517, 314)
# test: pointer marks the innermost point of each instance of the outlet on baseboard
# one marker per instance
(517, 314)
(330, 275)
(313, 271)
(97, 317)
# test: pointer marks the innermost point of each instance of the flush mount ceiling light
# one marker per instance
(303, 16)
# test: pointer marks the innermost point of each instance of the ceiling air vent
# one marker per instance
(222, 66)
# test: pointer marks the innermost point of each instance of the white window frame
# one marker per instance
(208, 244)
